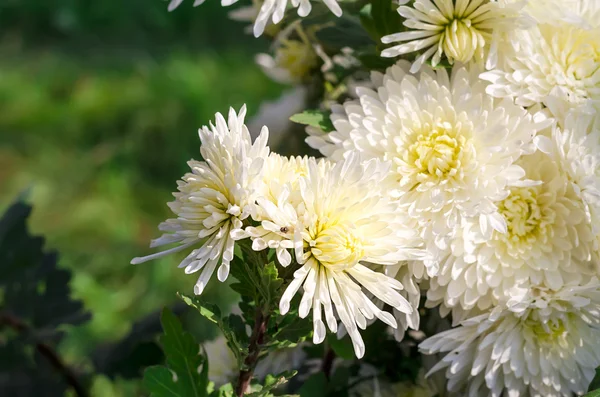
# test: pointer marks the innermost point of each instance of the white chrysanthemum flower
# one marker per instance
(294, 58)
(577, 142)
(460, 30)
(409, 274)
(345, 224)
(453, 147)
(273, 10)
(278, 198)
(559, 59)
(215, 198)
(543, 344)
(580, 12)
(548, 241)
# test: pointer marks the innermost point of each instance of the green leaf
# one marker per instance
(595, 384)
(344, 32)
(385, 17)
(314, 118)
(35, 302)
(342, 347)
(315, 386)
(373, 61)
(258, 279)
(291, 330)
(270, 283)
(272, 382)
(160, 381)
(35, 289)
(224, 391)
(182, 376)
(595, 393)
(233, 328)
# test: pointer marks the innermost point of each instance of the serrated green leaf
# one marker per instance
(35, 301)
(35, 289)
(270, 283)
(183, 360)
(315, 386)
(290, 331)
(272, 382)
(233, 328)
(244, 289)
(314, 118)
(159, 380)
(207, 310)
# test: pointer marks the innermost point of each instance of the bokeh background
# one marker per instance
(100, 102)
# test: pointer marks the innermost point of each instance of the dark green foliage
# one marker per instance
(315, 386)
(271, 383)
(385, 18)
(129, 356)
(186, 370)
(232, 327)
(342, 347)
(34, 306)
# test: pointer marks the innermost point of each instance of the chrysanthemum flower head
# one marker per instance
(540, 343)
(453, 148)
(576, 141)
(345, 224)
(558, 58)
(459, 30)
(214, 198)
(277, 201)
(548, 241)
(294, 57)
(273, 10)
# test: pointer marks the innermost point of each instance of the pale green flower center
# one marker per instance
(578, 53)
(522, 213)
(334, 245)
(439, 152)
(547, 333)
(297, 57)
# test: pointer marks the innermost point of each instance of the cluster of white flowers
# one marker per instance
(335, 218)
(499, 171)
(476, 185)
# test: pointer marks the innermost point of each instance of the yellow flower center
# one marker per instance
(578, 53)
(522, 213)
(334, 245)
(437, 153)
(297, 57)
(547, 333)
(526, 218)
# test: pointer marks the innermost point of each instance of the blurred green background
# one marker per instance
(100, 102)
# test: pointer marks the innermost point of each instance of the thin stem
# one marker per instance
(46, 351)
(256, 342)
(327, 364)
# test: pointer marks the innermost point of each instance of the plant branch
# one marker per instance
(256, 342)
(6, 319)
(327, 363)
